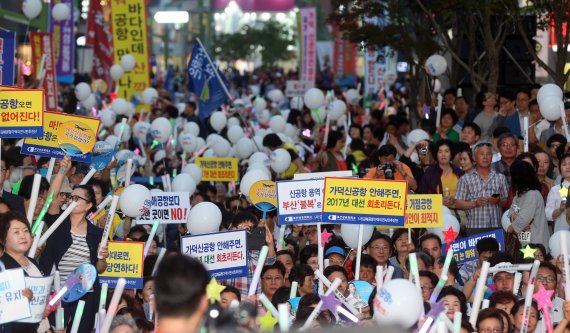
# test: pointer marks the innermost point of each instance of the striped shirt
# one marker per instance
(77, 254)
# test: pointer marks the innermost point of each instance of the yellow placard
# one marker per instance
(218, 169)
(262, 193)
(128, 19)
(7, 88)
(76, 138)
(21, 113)
(125, 261)
(424, 211)
(365, 201)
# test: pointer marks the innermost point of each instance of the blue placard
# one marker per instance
(465, 249)
(223, 253)
(132, 283)
(29, 149)
(21, 132)
(300, 201)
(7, 54)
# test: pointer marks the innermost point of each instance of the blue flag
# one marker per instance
(202, 81)
(7, 51)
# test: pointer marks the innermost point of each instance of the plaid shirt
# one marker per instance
(501, 167)
(242, 283)
(471, 186)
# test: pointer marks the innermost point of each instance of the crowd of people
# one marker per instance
(475, 158)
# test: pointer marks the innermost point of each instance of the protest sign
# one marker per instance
(75, 138)
(224, 253)
(7, 56)
(125, 261)
(465, 249)
(307, 28)
(167, 207)
(41, 288)
(365, 201)
(298, 88)
(300, 201)
(13, 305)
(322, 175)
(64, 43)
(44, 64)
(218, 169)
(263, 196)
(424, 211)
(48, 145)
(22, 113)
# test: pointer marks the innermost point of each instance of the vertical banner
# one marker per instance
(308, 43)
(99, 37)
(128, 20)
(42, 44)
(7, 54)
(63, 43)
(344, 55)
(371, 75)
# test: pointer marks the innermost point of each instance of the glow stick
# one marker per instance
(528, 297)
(320, 254)
(511, 267)
(258, 268)
(459, 92)
(338, 294)
(426, 325)
(447, 263)
(169, 182)
(479, 293)
(268, 305)
(200, 152)
(121, 130)
(389, 273)
(88, 176)
(438, 288)
(441, 326)
(34, 197)
(517, 283)
(77, 317)
(281, 244)
(333, 287)
(414, 272)
(564, 246)
(113, 306)
(151, 307)
(439, 106)
(294, 286)
(161, 252)
(57, 222)
(484, 304)
(32, 251)
(58, 296)
(100, 320)
(42, 213)
(446, 321)
(327, 263)
(59, 310)
(108, 224)
(283, 318)
(102, 205)
(347, 314)
(379, 276)
(103, 296)
(128, 173)
(148, 243)
(51, 165)
(525, 127)
(564, 123)
(457, 322)
(358, 252)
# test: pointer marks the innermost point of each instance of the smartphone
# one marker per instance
(496, 195)
(256, 239)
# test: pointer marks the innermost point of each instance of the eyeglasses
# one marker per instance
(508, 145)
(380, 248)
(273, 278)
(76, 198)
(426, 289)
(490, 330)
(543, 279)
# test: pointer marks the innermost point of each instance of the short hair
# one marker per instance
(357, 144)
(451, 113)
(233, 290)
(520, 304)
(101, 184)
(474, 127)
(126, 320)
(431, 276)
(463, 98)
(276, 265)
(309, 300)
(508, 94)
(244, 216)
(551, 267)
(399, 232)
(497, 132)
(387, 150)
(556, 138)
(487, 244)
(299, 273)
(378, 132)
(191, 104)
(453, 268)
(27, 184)
(285, 253)
(366, 260)
(429, 236)
(506, 136)
(307, 252)
(295, 246)
(334, 268)
(489, 313)
(5, 220)
(272, 140)
(333, 138)
(450, 91)
(90, 194)
(449, 290)
(179, 285)
(501, 297)
(376, 235)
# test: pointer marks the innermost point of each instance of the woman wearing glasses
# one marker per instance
(75, 242)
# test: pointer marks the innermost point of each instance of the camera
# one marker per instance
(424, 150)
(388, 169)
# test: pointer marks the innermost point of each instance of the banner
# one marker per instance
(7, 55)
(224, 253)
(218, 169)
(424, 211)
(13, 305)
(298, 88)
(63, 43)
(42, 50)
(308, 43)
(99, 36)
(22, 113)
(167, 207)
(41, 288)
(125, 261)
(48, 145)
(365, 201)
(300, 201)
(128, 20)
(465, 249)
(344, 64)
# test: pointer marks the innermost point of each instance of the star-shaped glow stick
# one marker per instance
(325, 237)
(267, 322)
(528, 252)
(213, 290)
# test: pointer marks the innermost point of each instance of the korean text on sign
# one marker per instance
(218, 169)
(42, 48)
(365, 201)
(41, 289)
(298, 88)
(465, 249)
(424, 211)
(21, 113)
(125, 261)
(224, 254)
(308, 42)
(13, 304)
(300, 201)
(172, 207)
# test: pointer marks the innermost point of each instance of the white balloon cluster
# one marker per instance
(549, 100)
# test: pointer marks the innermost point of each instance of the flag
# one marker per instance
(7, 53)
(203, 81)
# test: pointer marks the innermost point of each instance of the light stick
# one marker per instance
(347, 314)
(32, 251)
(379, 276)
(77, 317)
(485, 304)
(457, 322)
(283, 318)
(51, 165)
(358, 252)
(317, 308)
(57, 222)
(151, 306)
(525, 127)
(281, 243)
(121, 130)
(258, 268)
(100, 320)
(161, 252)
(479, 293)
(425, 327)
(148, 243)
(320, 254)
(438, 288)
(439, 106)
(128, 172)
(34, 197)
(528, 297)
(511, 267)
(447, 263)
(268, 305)
(294, 286)
(459, 92)
(103, 296)
(564, 246)
(102, 205)
(327, 263)
(443, 317)
(441, 326)
(389, 273)
(42, 213)
(58, 296)
(88, 176)
(517, 283)
(109, 223)
(339, 296)
(564, 122)
(113, 306)
(414, 272)
(59, 310)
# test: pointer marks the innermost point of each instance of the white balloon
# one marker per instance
(124, 155)
(318, 115)
(352, 96)
(194, 171)
(249, 179)
(280, 160)
(82, 91)
(314, 98)
(291, 130)
(209, 153)
(135, 200)
(120, 106)
(204, 218)
(276, 96)
(349, 234)
(221, 147)
(89, 102)
(416, 136)
(188, 142)
(263, 116)
(554, 243)
(159, 155)
(336, 109)
(60, 12)
(218, 120)
(296, 103)
(213, 138)
(192, 128)
(183, 183)
(113, 140)
(341, 120)
(448, 221)
(126, 132)
(156, 191)
(131, 110)
(551, 108)
(549, 90)
(436, 65)
(260, 166)
(128, 62)
(390, 77)
(259, 157)
(259, 105)
(200, 143)
(398, 303)
(277, 124)
(150, 95)
(161, 129)
(244, 147)
(258, 144)
(32, 8)
(140, 130)
(436, 86)
(116, 72)
(233, 121)
(235, 133)
(108, 118)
